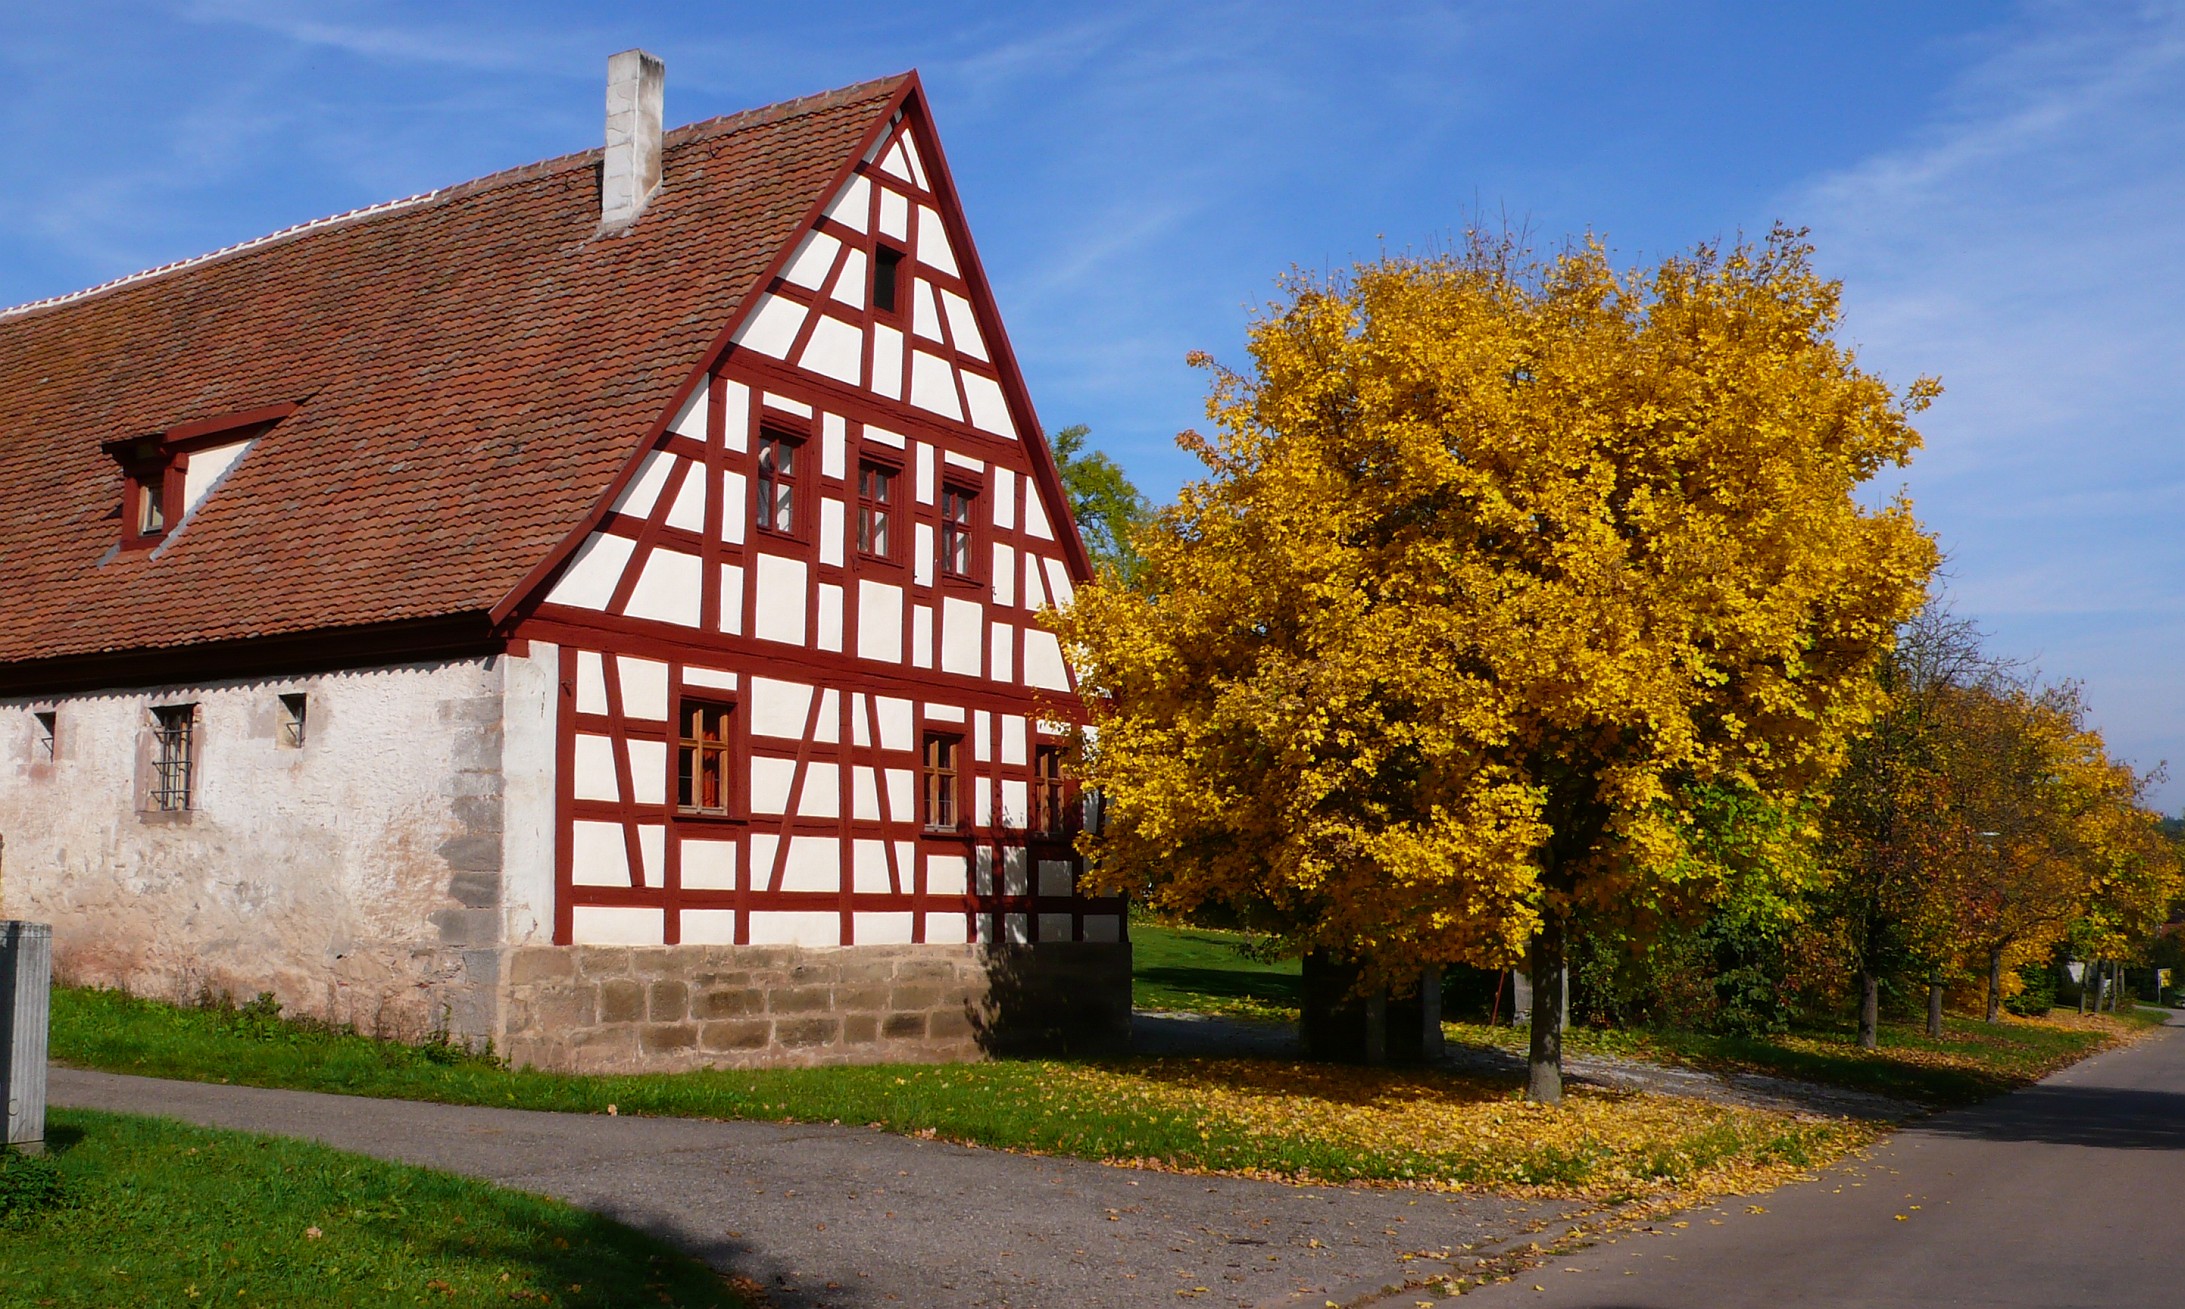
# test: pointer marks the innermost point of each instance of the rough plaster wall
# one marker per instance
(358, 878)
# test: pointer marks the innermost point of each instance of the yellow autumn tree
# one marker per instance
(1495, 560)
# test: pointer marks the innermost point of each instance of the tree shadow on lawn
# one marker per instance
(1275, 990)
(1344, 1084)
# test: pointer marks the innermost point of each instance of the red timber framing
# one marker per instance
(835, 663)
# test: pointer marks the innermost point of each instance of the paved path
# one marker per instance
(2067, 1193)
(852, 1217)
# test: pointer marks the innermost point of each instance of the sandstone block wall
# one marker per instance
(672, 1007)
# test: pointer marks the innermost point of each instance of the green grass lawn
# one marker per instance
(157, 1213)
(1207, 972)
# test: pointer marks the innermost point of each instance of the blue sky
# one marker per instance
(1998, 186)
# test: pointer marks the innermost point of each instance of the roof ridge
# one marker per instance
(699, 130)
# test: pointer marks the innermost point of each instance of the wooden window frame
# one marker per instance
(952, 531)
(174, 759)
(720, 748)
(767, 483)
(940, 778)
(887, 509)
(153, 467)
(1050, 792)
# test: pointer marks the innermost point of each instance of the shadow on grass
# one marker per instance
(1277, 990)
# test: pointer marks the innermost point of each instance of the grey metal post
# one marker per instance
(26, 983)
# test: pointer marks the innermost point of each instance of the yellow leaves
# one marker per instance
(1490, 557)
(1433, 1131)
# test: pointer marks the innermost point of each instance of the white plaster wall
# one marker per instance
(358, 878)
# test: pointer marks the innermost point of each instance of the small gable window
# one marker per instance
(956, 533)
(887, 279)
(1049, 815)
(702, 758)
(778, 481)
(939, 762)
(875, 508)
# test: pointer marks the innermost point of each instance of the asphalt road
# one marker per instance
(852, 1217)
(2065, 1194)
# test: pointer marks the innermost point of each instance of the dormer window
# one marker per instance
(165, 477)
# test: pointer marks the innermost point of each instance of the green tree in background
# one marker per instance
(1108, 508)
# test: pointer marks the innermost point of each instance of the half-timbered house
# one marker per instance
(594, 609)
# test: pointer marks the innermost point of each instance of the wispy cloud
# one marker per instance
(2023, 245)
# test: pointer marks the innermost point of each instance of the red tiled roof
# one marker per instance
(473, 367)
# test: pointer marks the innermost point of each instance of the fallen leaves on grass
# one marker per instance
(1321, 1123)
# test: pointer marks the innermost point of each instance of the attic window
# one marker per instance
(166, 476)
(887, 278)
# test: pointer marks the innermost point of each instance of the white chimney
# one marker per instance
(632, 170)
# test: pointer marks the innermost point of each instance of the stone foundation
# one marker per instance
(599, 1009)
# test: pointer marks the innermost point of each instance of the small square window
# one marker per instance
(174, 757)
(295, 705)
(778, 481)
(702, 755)
(887, 278)
(875, 508)
(44, 724)
(941, 779)
(956, 531)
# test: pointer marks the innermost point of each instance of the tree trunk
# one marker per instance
(1377, 1028)
(1544, 1080)
(1870, 1009)
(2086, 983)
(1995, 984)
(1934, 1007)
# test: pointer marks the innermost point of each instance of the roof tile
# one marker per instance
(473, 367)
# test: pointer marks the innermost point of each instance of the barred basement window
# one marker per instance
(702, 758)
(44, 721)
(294, 705)
(174, 757)
(941, 807)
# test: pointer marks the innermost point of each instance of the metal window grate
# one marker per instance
(294, 707)
(174, 756)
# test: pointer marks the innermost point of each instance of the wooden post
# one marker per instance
(26, 981)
